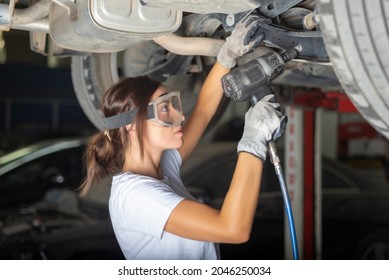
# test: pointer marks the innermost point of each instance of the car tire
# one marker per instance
(90, 83)
(356, 39)
(93, 74)
(374, 246)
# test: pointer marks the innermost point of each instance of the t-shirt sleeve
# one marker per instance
(148, 206)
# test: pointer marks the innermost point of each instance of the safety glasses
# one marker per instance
(166, 110)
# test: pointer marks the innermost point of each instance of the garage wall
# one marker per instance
(38, 102)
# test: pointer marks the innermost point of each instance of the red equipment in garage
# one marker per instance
(303, 160)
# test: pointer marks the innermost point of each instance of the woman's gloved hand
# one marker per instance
(264, 123)
(244, 38)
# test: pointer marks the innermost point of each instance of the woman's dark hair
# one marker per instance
(104, 152)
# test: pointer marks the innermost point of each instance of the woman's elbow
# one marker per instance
(237, 236)
(242, 238)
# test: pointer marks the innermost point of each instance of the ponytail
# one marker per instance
(102, 158)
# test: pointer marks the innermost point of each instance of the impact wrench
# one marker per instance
(251, 81)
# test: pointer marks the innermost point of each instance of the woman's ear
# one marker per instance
(131, 128)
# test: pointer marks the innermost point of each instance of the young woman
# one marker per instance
(144, 147)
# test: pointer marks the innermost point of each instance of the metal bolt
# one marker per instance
(230, 20)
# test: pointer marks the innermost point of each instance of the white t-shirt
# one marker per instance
(139, 207)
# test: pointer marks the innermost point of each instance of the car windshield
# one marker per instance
(17, 154)
(20, 156)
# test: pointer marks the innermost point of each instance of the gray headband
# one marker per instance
(125, 118)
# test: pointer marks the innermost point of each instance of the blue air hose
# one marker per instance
(285, 194)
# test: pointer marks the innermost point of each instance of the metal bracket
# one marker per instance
(267, 8)
(6, 12)
(310, 43)
(38, 41)
(70, 6)
(273, 8)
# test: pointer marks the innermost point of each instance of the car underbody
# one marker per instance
(342, 44)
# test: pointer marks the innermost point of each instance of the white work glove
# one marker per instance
(244, 38)
(264, 123)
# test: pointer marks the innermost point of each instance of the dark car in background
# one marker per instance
(42, 217)
(41, 214)
(27, 173)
